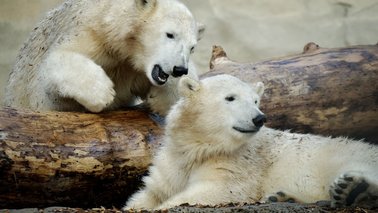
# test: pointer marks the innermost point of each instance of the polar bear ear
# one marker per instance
(259, 88)
(188, 86)
(145, 5)
(201, 29)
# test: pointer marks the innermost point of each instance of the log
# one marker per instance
(73, 159)
(91, 160)
(332, 92)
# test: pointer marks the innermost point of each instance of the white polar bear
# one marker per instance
(216, 150)
(103, 54)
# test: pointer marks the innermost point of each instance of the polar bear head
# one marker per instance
(168, 38)
(220, 111)
(156, 36)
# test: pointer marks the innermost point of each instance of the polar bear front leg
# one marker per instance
(205, 193)
(143, 199)
(75, 76)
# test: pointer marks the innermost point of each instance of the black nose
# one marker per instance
(259, 120)
(179, 71)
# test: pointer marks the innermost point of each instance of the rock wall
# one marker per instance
(249, 30)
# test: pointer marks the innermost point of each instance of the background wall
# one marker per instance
(249, 30)
(17, 19)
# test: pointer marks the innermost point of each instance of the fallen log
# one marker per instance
(73, 159)
(332, 92)
(91, 160)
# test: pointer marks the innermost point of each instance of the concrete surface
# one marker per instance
(249, 30)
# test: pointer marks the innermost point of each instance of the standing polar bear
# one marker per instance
(216, 150)
(96, 55)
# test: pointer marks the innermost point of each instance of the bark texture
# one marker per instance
(73, 159)
(324, 91)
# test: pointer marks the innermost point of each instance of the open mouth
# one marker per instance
(159, 76)
(242, 130)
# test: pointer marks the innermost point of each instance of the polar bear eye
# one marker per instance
(230, 98)
(256, 102)
(170, 36)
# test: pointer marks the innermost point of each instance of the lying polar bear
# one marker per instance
(216, 150)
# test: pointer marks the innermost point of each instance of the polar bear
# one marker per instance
(216, 150)
(102, 55)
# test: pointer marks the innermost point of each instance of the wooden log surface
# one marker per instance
(332, 92)
(90, 160)
(73, 159)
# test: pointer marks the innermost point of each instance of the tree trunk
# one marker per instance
(73, 159)
(91, 160)
(322, 91)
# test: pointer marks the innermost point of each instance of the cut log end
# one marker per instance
(310, 47)
(217, 53)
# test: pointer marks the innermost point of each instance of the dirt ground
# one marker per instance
(230, 208)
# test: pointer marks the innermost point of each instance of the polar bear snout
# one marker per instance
(179, 71)
(259, 120)
(158, 75)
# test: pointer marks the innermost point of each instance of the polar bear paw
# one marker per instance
(96, 96)
(352, 189)
(279, 197)
(94, 90)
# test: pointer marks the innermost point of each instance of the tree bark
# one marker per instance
(73, 159)
(333, 92)
(90, 160)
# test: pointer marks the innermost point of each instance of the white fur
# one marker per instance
(204, 160)
(100, 55)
